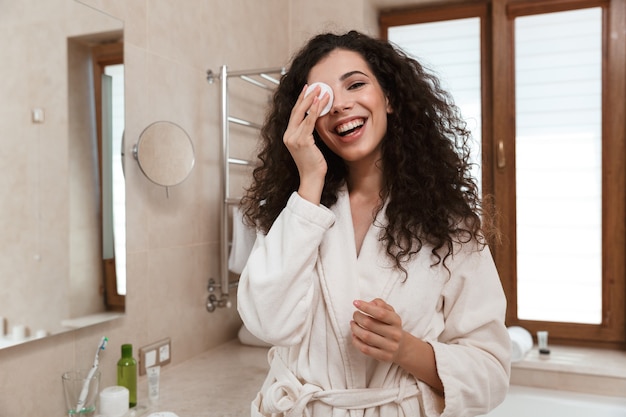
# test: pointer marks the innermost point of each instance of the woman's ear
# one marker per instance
(388, 107)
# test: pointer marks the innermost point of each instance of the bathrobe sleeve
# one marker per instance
(473, 351)
(277, 289)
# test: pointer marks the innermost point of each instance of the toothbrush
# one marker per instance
(92, 371)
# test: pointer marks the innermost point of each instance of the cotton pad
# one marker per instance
(325, 88)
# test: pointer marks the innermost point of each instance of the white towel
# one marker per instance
(247, 338)
(521, 342)
(242, 242)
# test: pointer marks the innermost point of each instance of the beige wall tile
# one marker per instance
(173, 243)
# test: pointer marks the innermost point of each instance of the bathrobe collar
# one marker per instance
(344, 277)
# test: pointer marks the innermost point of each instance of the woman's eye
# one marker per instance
(355, 85)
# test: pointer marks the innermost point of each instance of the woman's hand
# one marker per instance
(300, 142)
(377, 330)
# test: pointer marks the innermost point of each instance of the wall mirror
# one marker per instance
(58, 183)
(165, 153)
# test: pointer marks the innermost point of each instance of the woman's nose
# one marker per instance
(341, 102)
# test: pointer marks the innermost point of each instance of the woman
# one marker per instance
(370, 274)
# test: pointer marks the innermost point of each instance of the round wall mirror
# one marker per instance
(165, 153)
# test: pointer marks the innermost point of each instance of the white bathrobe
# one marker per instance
(296, 292)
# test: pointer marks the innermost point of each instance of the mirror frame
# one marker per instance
(165, 153)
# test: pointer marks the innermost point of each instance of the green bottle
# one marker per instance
(127, 373)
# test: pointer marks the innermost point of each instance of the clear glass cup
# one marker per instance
(75, 386)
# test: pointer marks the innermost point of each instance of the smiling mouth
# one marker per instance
(349, 127)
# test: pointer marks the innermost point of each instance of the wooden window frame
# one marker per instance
(498, 137)
(460, 10)
(104, 55)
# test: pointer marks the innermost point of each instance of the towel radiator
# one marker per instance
(265, 78)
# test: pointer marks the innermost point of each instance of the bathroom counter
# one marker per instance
(221, 382)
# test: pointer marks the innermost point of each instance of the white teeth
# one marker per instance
(353, 124)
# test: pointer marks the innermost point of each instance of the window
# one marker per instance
(558, 165)
(115, 246)
(451, 50)
(552, 134)
(108, 70)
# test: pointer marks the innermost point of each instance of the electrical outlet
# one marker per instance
(157, 353)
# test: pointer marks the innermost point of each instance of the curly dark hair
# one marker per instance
(432, 196)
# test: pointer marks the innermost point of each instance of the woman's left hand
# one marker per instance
(377, 330)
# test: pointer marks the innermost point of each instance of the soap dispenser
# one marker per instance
(127, 373)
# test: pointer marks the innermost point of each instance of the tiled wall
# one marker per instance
(172, 242)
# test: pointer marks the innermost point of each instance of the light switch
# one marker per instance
(150, 358)
(164, 353)
(155, 354)
(39, 115)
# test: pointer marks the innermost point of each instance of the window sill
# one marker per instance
(593, 371)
